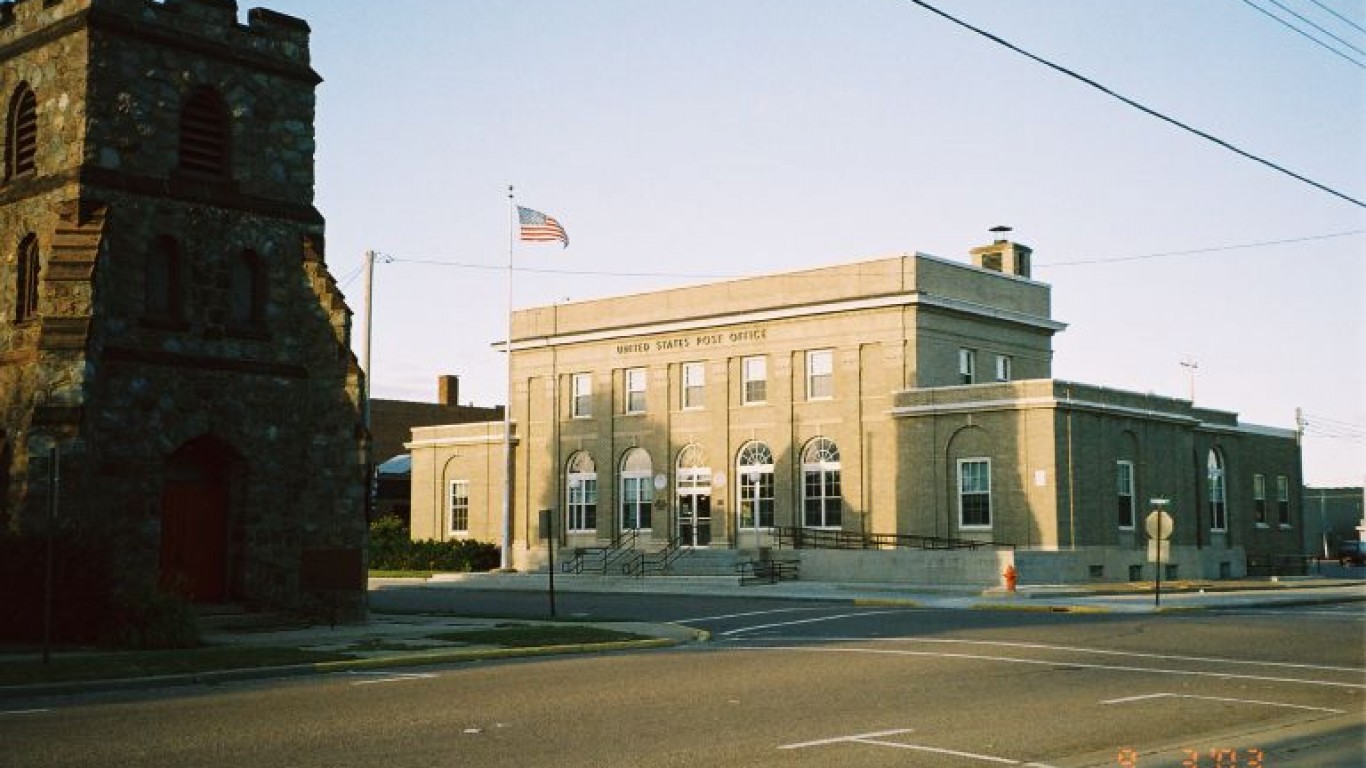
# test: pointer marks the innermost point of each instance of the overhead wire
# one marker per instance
(1304, 34)
(1140, 106)
(1342, 18)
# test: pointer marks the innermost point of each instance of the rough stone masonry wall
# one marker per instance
(284, 395)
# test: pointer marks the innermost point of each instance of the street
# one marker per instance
(780, 683)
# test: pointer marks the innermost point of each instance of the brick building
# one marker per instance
(168, 326)
(904, 397)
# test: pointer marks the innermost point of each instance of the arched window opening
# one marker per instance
(247, 288)
(637, 490)
(162, 292)
(1218, 493)
(755, 487)
(581, 480)
(21, 133)
(204, 133)
(26, 284)
(821, 500)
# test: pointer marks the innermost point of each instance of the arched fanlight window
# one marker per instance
(26, 282)
(1218, 491)
(581, 491)
(21, 133)
(821, 501)
(754, 472)
(204, 133)
(637, 489)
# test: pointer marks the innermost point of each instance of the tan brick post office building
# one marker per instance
(910, 395)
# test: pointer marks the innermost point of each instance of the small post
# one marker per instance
(548, 534)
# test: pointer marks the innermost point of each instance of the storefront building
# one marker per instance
(909, 395)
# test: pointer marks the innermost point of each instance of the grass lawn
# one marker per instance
(113, 665)
(89, 664)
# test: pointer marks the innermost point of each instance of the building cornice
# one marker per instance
(916, 299)
(1077, 404)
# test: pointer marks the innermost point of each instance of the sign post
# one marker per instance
(548, 535)
(1159, 527)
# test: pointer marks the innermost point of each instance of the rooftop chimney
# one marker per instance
(1003, 255)
(448, 390)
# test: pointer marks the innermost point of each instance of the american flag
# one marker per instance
(540, 228)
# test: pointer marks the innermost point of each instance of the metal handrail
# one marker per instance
(817, 538)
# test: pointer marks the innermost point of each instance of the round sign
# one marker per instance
(1158, 524)
(661, 482)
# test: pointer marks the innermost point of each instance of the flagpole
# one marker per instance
(506, 558)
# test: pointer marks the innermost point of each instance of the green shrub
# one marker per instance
(391, 549)
(153, 619)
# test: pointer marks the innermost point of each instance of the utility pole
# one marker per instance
(368, 290)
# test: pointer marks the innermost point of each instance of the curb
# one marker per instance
(1039, 608)
(331, 667)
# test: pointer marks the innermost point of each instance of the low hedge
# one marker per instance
(391, 549)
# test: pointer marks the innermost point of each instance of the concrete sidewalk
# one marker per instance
(1110, 597)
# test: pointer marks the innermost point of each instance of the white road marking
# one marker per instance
(875, 740)
(1054, 663)
(839, 739)
(816, 620)
(1094, 651)
(748, 613)
(1151, 696)
(391, 678)
(24, 712)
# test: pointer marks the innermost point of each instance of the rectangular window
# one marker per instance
(583, 503)
(974, 493)
(756, 497)
(1283, 501)
(637, 498)
(1124, 479)
(581, 396)
(967, 365)
(820, 374)
(635, 390)
(694, 385)
(754, 380)
(1259, 498)
(1002, 368)
(458, 512)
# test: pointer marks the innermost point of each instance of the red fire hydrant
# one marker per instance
(1011, 576)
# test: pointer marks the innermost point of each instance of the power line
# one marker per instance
(437, 261)
(1139, 106)
(1195, 251)
(1304, 34)
(1344, 19)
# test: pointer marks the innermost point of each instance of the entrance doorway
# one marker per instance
(194, 521)
(694, 498)
(694, 518)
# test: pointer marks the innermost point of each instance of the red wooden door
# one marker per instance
(194, 539)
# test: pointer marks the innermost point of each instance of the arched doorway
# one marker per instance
(692, 477)
(195, 520)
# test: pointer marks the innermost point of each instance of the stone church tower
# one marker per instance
(169, 331)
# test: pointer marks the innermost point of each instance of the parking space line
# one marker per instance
(387, 677)
(1151, 696)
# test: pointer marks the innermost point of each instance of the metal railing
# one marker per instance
(819, 538)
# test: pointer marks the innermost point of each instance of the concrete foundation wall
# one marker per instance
(951, 568)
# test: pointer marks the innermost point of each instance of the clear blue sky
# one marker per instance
(694, 139)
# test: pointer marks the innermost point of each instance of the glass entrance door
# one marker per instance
(694, 519)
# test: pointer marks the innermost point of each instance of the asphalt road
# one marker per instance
(782, 683)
